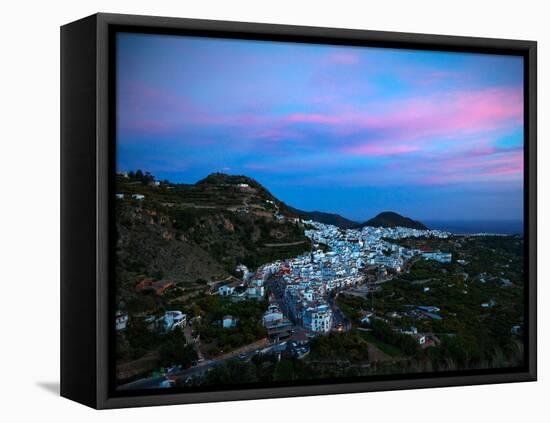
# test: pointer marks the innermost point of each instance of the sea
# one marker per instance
(503, 227)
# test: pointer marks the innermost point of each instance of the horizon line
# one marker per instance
(421, 220)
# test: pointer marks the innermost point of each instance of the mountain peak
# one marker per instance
(219, 178)
(390, 219)
(327, 218)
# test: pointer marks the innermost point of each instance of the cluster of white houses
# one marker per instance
(309, 278)
(251, 286)
(368, 245)
(169, 321)
(121, 196)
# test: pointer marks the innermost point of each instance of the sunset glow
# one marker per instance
(350, 130)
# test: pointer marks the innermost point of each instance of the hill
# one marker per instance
(327, 218)
(390, 219)
(197, 233)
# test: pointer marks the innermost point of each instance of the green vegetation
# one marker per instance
(138, 340)
(352, 306)
(383, 332)
(468, 335)
(339, 347)
(215, 219)
(212, 309)
(138, 176)
(426, 270)
(141, 304)
(174, 351)
(291, 369)
(230, 373)
(388, 349)
(196, 235)
(261, 368)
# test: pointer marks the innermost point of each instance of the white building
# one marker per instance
(226, 290)
(273, 314)
(438, 256)
(244, 270)
(121, 320)
(321, 319)
(172, 320)
(119, 196)
(255, 292)
(229, 322)
(139, 197)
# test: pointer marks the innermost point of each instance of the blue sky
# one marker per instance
(350, 130)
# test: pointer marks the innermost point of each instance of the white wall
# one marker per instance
(29, 165)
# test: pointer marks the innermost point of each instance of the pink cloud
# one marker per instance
(456, 113)
(272, 134)
(465, 122)
(416, 120)
(510, 170)
(424, 120)
(380, 150)
(313, 118)
(472, 166)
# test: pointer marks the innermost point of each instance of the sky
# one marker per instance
(349, 130)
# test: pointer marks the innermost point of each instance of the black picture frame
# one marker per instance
(87, 177)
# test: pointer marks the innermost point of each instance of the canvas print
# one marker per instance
(293, 213)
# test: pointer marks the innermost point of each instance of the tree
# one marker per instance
(232, 372)
(140, 304)
(174, 350)
(384, 333)
(290, 369)
(284, 370)
(147, 178)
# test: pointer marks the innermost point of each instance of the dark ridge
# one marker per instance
(390, 219)
(326, 218)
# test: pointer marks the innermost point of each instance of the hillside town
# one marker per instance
(299, 289)
(300, 286)
(388, 292)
